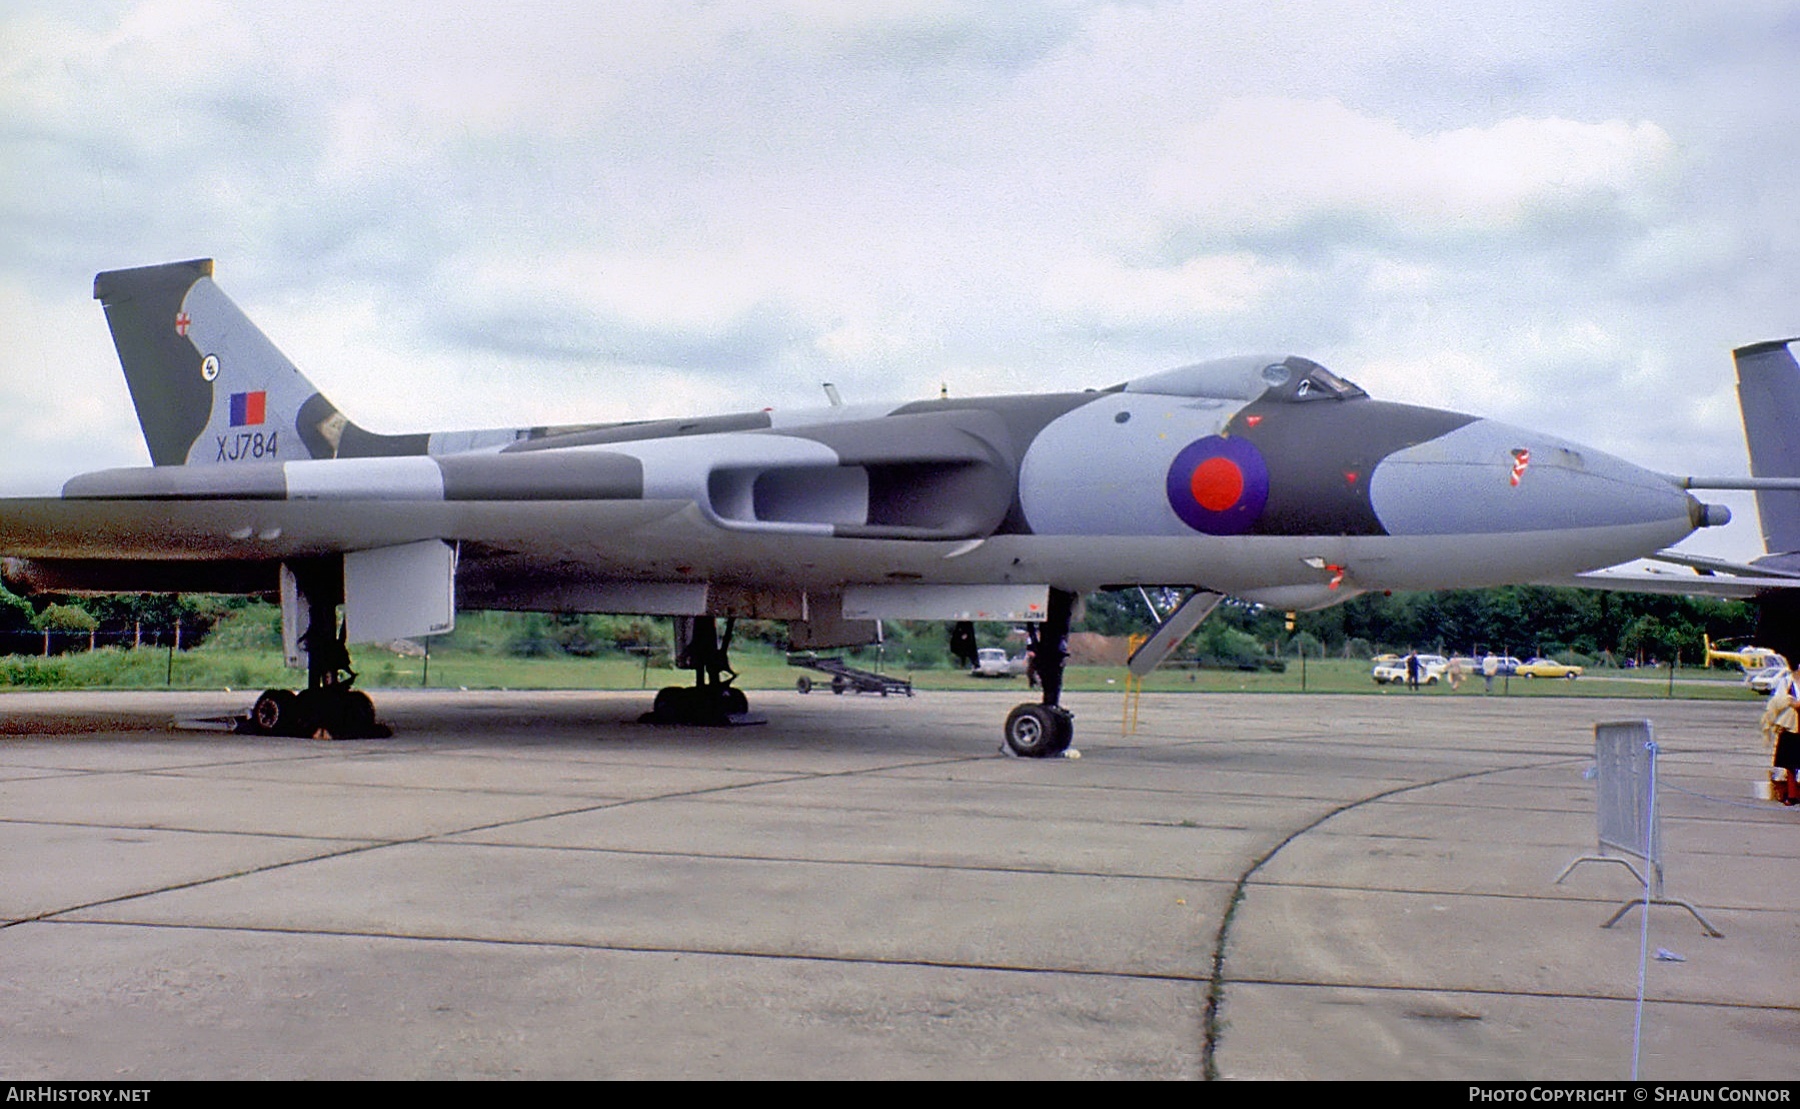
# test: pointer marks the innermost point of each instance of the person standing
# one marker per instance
(1489, 667)
(1781, 730)
(1412, 671)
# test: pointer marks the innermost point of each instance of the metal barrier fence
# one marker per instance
(33, 642)
(1626, 814)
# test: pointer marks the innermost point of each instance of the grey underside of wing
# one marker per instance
(1688, 585)
(511, 551)
(260, 530)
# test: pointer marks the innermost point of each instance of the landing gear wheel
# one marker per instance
(315, 711)
(1039, 731)
(734, 701)
(671, 704)
(358, 714)
(273, 713)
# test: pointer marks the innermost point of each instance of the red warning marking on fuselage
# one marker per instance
(1521, 459)
(1252, 421)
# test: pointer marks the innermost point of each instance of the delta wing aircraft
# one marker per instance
(1267, 478)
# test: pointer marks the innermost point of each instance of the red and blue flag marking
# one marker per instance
(247, 409)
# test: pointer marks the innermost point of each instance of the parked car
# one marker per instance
(1763, 681)
(1431, 670)
(991, 662)
(1548, 668)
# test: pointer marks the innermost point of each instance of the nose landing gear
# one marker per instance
(1043, 730)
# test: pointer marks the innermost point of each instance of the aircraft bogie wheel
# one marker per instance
(358, 714)
(734, 701)
(804, 685)
(274, 712)
(670, 703)
(1038, 731)
(313, 712)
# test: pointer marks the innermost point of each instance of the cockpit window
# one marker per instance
(1249, 378)
(1320, 383)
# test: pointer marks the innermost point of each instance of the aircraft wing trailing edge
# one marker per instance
(1264, 477)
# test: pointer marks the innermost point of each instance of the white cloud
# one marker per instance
(64, 407)
(1108, 292)
(1272, 163)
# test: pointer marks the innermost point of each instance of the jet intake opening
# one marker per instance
(812, 495)
(917, 500)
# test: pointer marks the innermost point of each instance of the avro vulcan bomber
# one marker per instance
(1267, 478)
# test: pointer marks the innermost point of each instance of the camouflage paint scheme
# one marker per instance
(1262, 477)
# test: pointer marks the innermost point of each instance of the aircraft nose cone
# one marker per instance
(1709, 515)
(1488, 478)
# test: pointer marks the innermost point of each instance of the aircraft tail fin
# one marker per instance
(1769, 394)
(209, 386)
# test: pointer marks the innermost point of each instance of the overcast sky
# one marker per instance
(1563, 215)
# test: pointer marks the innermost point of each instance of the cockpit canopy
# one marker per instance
(1249, 377)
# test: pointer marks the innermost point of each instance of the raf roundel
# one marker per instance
(1219, 485)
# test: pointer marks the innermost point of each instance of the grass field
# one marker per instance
(210, 668)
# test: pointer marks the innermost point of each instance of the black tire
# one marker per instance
(1038, 731)
(803, 685)
(734, 701)
(273, 713)
(838, 685)
(357, 714)
(1571, 675)
(671, 704)
(314, 710)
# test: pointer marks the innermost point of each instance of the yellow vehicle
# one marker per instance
(1548, 668)
(1747, 659)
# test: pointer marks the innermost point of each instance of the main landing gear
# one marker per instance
(328, 708)
(712, 701)
(1042, 730)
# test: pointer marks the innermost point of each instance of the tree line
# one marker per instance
(1524, 620)
(1585, 625)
